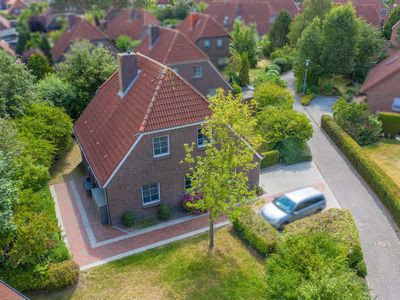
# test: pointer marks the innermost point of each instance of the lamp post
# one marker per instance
(305, 76)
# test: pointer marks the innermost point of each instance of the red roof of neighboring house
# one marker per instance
(130, 22)
(17, 4)
(358, 4)
(158, 99)
(80, 29)
(8, 293)
(6, 47)
(171, 47)
(369, 13)
(383, 70)
(259, 12)
(4, 23)
(197, 25)
(395, 34)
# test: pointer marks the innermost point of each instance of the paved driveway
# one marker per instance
(378, 233)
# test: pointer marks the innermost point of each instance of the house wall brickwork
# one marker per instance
(214, 52)
(380, 96)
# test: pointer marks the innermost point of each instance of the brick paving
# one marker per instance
(78, 241)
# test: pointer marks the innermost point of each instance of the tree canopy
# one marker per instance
(244, 40)
(280, 29)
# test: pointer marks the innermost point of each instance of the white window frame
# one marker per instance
(153, 201)
(186, 178)
(205, 143)
(161, 154)
(220, 43)
(208, 42)
(396, 104)
(200, 75)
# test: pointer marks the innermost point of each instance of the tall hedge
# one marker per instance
(390, 123)
(382, 184)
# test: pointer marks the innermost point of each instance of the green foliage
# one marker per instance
(312, 266)
(382, 184)
(178, 10)
(127, 219)
(390, 123)
(294, 150)
(38, 65)
(244, 78)
(201, 6)
(265, 46)
(339, 38)
(125, 43)
(236, 89)
(269, 77)
(164, 212)
(283, 63)
(86, 67)
(24, 38)
(391, 21)
(357, 121)
(56, 91)
(270, 158)
(276, 125)
(270, 94)
(244, 40)
(61, 274)
(278, 34)
(306, 99)
(258, 233)
(16, 86)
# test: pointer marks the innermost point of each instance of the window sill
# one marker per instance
(161, 155)
(151, 204)
(197, 77)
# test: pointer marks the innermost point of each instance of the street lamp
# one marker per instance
(305, 76)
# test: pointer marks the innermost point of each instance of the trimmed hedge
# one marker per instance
(340, 225)
(390, 123)
(382, 184)
(257, 232)
(61, 274)
(306, 99)
(294, 151)
(270, 158)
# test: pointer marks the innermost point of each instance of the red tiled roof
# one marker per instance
(198, 25)
(394, 36)
(171, 47)
(8, 293)
(110, 125)
(381, 8)
(4, 23)
(130, 22)
(82, 29)
(369, 13)
(259, 12)
(383, 70)
(6, 47)
(21, 4)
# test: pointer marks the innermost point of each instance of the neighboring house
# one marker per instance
(6, 47)
(373, 12)
(80, 29)
(9, 293)
(132, 137)
(208, 35)
(382, 85)
(394, 38)
(10, 36)
(176, 50)
(129, 21)
(260, 12)
(15, 7)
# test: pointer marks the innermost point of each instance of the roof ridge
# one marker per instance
(207, 17)
(165, 58)
(153, 100)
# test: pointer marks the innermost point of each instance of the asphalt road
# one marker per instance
(379, 235)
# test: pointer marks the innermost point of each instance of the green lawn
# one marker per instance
(259, 69)
(182, 270)
(386, 154)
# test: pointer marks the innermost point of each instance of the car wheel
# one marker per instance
(318, 210)
(283, 226)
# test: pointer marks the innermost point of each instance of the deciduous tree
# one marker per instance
(280, 29)
(244, 40)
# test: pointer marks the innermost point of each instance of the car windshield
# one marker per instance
(285, 204)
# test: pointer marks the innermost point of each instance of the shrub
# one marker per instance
(127, 219)
(306, 99)
(270, 77)
(188, 202)
(236, 88)
(312, 266)
(270, 158)
(390, 123)
(164, 212)
(61, 274)
(294, 150)
(284, 64)
(274, 67)
(340, 226)
(125, 43)
(257, 232)
(270, 94)
(382, 184)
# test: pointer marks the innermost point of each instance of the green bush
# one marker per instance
(294, 150)
(127, 219)
(164, 212)
(61, 274)
(284, 64)
(270, 158)
(340, 226)
(274, 67)
(236, 88)
(390, 123)
(257, 232)
(306, 99)
(382, 184)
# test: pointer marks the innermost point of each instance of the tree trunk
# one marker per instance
(211, 236)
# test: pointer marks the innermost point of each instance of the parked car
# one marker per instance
(293, 206)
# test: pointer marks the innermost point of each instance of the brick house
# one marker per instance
(176, 50)
(15, 7)
(382, 85)
(373, 12)
(208, 35)
(80, 29)
(132, 137)
(129, 21)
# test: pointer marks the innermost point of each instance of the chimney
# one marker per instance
(127, 71)
(154, 35)
(193, 18)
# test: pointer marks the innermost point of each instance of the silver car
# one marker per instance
(293, 206)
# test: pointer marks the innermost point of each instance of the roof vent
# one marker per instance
(128, 72)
